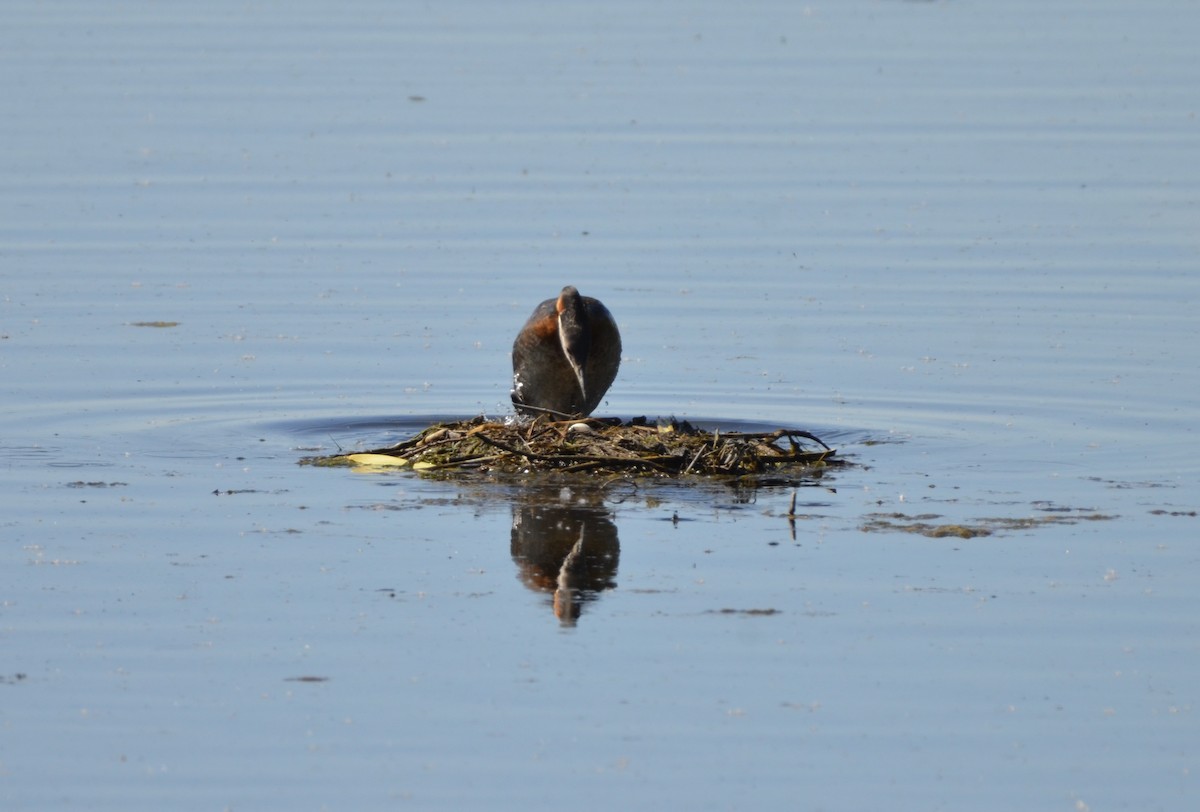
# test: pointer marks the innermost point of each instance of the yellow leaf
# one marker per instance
(377, 459)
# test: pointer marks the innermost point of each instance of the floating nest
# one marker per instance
(595, 446)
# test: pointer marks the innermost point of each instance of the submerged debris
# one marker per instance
(595, 446)
(925, 524)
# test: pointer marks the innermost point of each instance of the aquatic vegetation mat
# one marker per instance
(926, 524)
(596, 446)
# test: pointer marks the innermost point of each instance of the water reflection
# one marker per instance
(564, 542)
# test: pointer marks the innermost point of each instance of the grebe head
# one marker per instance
(573, 333)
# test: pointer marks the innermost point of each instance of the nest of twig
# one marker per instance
(595, 446)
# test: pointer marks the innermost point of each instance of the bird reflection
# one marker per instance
(565, 545)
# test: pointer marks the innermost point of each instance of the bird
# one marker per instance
(565, 357)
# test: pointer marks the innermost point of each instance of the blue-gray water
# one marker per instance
(958, 240)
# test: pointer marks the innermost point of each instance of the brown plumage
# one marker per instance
(565, 357)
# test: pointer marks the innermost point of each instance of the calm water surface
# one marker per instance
(957, 240)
